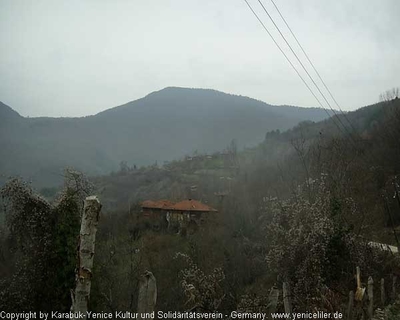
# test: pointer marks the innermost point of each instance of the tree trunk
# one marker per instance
(87, 237)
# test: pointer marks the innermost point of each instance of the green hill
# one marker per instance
(162, 126)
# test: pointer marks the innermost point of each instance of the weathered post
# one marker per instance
(273, 300)
(87, 238)
(360, 291)
(370, 297)
(286, 298)
(147, 295)
(383, 293)
(394, 287)
(350, 306)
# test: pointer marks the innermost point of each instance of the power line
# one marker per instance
(351, 140)
(350, 135)
(302, 65)
(288, 60)
(312, 65)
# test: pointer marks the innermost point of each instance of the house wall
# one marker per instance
(174, 220)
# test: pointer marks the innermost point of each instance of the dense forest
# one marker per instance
(301, 209)
(140, 132)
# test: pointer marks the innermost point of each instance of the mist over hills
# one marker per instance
(162, 126)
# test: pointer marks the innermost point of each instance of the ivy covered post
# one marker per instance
(87, 238)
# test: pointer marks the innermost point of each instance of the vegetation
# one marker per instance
(300, 208)
(180, 121)
(41, 246)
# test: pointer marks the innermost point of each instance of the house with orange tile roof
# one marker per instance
(186, 215)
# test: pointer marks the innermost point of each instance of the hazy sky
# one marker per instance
(74, 58)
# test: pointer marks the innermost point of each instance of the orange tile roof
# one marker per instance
(161, 204)
(192, 205)
(185, 205)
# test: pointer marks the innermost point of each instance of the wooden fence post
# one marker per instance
(273, 300)
(383, 293)
(350, 306)
(370, 297)
(359, 295)
(147, 295)
(286, 298)
(394, 287)
(87, 238)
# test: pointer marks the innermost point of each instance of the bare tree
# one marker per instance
(302, 151)
(389, 95)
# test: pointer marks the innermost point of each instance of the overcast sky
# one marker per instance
(75, 58)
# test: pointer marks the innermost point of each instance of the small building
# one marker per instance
(185, 215)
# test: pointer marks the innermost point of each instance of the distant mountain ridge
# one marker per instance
(162, 126)
(7, 113)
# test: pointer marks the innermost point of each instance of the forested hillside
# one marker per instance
(228, 160)
(164, 125)
(301, 208)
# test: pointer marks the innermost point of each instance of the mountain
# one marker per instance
(264, 168)
(162, 126)
(8, 114)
